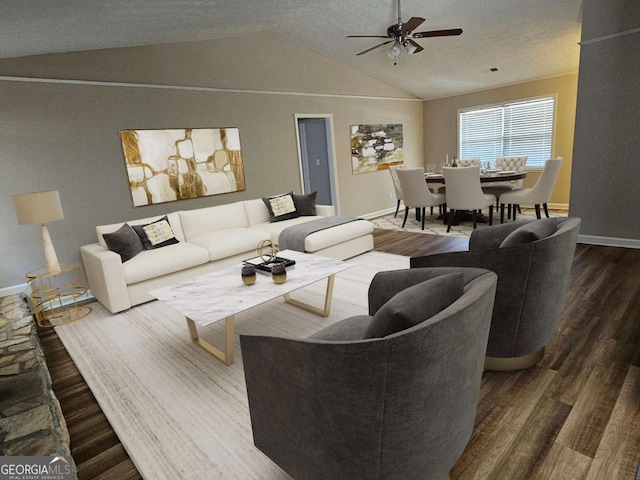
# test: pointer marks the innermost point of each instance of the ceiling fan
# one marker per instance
(403, 35)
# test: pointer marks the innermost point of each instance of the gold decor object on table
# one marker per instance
(248, 274)
(279, 273)
(55, 294)
(267, 251)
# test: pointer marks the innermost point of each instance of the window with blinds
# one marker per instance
(513, 129)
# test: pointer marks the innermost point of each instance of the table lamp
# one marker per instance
(40, 208)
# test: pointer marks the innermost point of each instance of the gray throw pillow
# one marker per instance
(415, 304)
(305, 204)
(156, 234)
(531, 232)
(124, 241)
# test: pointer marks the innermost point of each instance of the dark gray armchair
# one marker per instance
(399, 404)
(533, 262)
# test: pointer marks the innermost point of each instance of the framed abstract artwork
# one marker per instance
(375, 147)
(176, 164)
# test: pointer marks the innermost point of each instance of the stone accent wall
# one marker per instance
(31, 422)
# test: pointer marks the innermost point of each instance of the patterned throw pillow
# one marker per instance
(281, 207)
(156, 234)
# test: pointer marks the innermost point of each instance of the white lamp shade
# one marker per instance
(37, 207)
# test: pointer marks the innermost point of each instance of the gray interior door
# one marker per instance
(315, 158)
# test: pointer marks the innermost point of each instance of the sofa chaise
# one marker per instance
(206, 239)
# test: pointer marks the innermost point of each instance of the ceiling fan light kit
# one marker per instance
(402, 35)
(395, 50)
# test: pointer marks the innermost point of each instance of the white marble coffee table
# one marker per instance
(221, 295)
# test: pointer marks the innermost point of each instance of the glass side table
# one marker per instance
(55, 295)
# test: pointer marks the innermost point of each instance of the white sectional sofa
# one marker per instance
(209, 239)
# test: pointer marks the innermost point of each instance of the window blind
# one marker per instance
(512, 129)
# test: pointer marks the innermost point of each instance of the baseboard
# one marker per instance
(14, 289)
(380, 213)
(609, 241)
(558, 206)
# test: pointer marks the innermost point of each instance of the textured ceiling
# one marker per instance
(524, 39)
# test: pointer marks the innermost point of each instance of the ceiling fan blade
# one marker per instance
(412, 24)
(438, 33)
(367, 36)
(417, 45)
(373, 48)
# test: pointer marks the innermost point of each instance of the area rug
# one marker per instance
(178, 412)
(437, 227)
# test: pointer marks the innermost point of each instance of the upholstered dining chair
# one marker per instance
(416, 193)
(464, 193)
(539, 194)
(533, 263)
(391, 396)
(468, 162)
(396, 186)
(517, 164)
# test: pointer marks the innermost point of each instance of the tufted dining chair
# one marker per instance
(468, 162)
(464, 193)
(416, 193)
(517, 164)
(539, 194)
(396, 186)
(391, 395)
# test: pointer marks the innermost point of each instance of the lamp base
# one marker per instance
(49, 252)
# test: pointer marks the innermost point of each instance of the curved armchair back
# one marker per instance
(532, 281)
(378, 408)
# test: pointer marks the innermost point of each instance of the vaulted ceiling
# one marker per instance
(523, 39)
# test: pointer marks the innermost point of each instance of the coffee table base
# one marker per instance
(226, 356)
(323, 312)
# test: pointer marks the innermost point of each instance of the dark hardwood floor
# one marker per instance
(576, 415)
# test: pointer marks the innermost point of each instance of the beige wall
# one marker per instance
(63, 134)
(441, 128)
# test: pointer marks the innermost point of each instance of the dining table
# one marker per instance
(487, 176)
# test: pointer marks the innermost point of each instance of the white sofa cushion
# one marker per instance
(230, 241)
(211, 219)
(256, 211)
(174, 221)
(338, 234)
(161, 261)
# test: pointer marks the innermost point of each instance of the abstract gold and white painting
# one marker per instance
(375, 147)
(176, 164)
